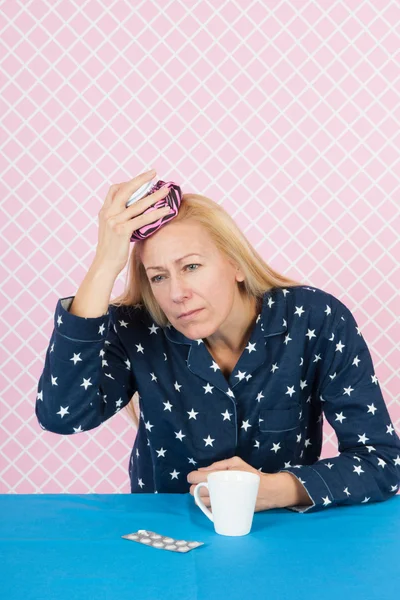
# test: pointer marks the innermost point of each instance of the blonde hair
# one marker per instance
(259, 277)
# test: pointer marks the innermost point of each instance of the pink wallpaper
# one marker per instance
(287, 113)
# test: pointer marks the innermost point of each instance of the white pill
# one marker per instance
(183, 549)
(170, 547)
(145, 540)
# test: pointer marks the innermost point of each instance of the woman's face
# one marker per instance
(204, 279)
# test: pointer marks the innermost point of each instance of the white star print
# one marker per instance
(209, 441)
(245, 425)
(372, 408)
(226, 415)
(86, 383)
(348, 391)
(192, 414)
(63, 411)
(299, 311)
(208, 388)
(241, 375)
(177, 386)
(180, 435)
(310, 334)
(76, 358)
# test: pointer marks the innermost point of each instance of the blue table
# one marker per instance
(60, 546)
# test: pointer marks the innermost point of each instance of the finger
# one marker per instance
(203, 491)
(138, 207)
(228, 463)
(127, 188)
(205, 500)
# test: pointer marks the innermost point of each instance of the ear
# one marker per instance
(239, 275)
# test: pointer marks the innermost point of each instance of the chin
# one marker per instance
(196, 331)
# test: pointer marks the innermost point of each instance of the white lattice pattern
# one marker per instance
(287, 113)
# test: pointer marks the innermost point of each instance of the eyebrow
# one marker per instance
(175, 261)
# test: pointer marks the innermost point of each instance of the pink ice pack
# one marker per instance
(162, 542)
(173, 200)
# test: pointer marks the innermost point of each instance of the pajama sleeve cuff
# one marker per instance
(315, 486)
(84, 329)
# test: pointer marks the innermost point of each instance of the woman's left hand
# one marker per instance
(267, 492)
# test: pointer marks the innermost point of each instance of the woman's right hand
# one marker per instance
(116, 222)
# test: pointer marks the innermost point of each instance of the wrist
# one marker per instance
(280, 490)
(293, 492)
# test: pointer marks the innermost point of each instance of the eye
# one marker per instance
(155, 280)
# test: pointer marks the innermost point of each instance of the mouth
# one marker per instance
(189, 315)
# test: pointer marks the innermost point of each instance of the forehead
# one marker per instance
(175, 240)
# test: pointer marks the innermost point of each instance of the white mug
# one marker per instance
(233, 497)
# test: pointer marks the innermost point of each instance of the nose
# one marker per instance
(178, 290)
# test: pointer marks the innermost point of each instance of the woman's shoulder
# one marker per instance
(316, 300)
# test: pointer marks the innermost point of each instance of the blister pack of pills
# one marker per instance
(162, 542)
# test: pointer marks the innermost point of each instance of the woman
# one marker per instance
(241, 383)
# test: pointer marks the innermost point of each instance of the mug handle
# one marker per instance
(199, 502)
